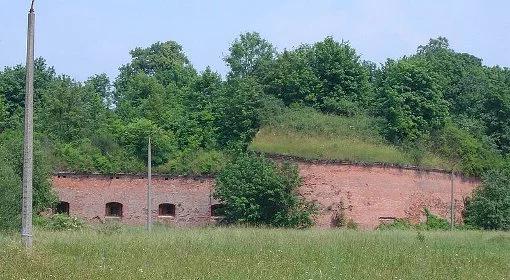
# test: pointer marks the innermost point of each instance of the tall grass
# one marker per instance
(259, 254)
(309, 134)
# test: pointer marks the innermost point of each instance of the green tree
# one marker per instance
(256, 191)
(12, 89)
(10, 195)
(489, 207)
(101, 85)
(11, 173)
(250, 55)
(345, 84)
(165, 61)
(136, 136)
(411, 101)
(292, 78)
(238, 113)
(70, 111)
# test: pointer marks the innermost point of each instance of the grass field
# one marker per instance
(258, 254)
(312, 135)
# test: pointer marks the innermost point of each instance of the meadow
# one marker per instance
(245, 253)
(306, 133)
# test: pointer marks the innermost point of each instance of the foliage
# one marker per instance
(59, 222)
(411, 102)
(10, 195)
(432, 222)
(489, 207)
(250, 55)
(11, 172)
(435, 108)
(328, 76)
(257, 191)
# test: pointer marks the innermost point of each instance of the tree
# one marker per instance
(11, 173)
(411, 101)
(12, 89)
(10, 196)
(256, 191)
(489, 207)
(136, 136)
(345, 83)
(70, 111)
(292, 78)
(166, 62)
(101, 85)
(237, 109)
(328, 76)
(250, 55)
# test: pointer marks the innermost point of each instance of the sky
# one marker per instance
(85, 37)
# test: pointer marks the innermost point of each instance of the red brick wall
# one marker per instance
(366, 193)
(370, 193)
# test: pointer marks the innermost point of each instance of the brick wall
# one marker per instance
(367, 194)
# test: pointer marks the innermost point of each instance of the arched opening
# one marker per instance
(62, 208)
(114, 209)
(217, 210)
(166, 210)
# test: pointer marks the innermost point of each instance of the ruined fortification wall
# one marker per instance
(374, 194)
(368, 194)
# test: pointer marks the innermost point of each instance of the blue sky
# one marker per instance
(85, 37)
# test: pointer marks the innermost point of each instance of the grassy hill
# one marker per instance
(306, 133)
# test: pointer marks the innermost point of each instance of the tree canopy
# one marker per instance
(436, 99)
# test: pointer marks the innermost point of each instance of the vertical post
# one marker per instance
(28, 141)
(149, 188)
(452, 202)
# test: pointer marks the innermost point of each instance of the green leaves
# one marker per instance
(257, 191)
(250, 55)
(489, 208)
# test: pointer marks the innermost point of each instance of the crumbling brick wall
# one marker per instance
(372, 194)
(366, 193)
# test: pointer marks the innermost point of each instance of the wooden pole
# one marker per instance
(28, 141)
(149, 187)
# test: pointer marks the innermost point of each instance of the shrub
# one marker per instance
(489, 207)
(59, 222)
(434, 222)
(257, 191)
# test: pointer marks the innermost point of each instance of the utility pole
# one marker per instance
(149, 187)
(452, 202)
(28, 142)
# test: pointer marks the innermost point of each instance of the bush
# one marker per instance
(489, 207)
(257, 191)
(59, 222)
(433, 222)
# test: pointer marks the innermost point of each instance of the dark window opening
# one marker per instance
(62, 208)
(113, 209)
(217, 210)
(167, 209)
